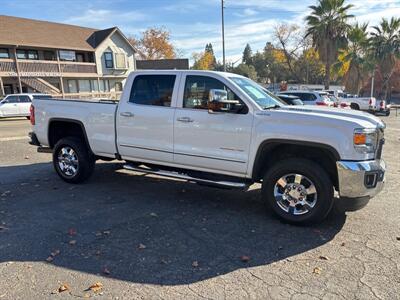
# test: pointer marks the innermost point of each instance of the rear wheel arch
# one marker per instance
(61, 128)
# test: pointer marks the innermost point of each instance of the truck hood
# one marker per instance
(362, 118)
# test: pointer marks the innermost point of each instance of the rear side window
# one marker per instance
(24, 99)
(307, 96)
(152, 90)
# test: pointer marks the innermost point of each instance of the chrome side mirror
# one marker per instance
(218, 101)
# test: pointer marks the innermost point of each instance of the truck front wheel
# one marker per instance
(72, 160)
(298, 190)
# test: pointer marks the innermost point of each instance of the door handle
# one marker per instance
(126, 114)
(185, 119)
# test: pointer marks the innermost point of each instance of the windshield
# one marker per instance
(256, 92)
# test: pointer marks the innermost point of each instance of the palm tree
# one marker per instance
(385, 44)
(327, 25)
(355, 58)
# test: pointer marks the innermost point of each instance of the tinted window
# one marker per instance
(152, 90)
(4, 53)
(12, 99)
(24, 99)
(306, 96)
(108, 60)
(197, 90)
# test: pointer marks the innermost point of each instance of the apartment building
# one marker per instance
(64, 60)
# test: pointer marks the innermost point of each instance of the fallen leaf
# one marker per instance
(64, 287)
(98, 233)
(342, 244)
(317, 270)
(55, 253)
(164, 261)
(245, 258)
(72, 231)
(323, 257)
(141, 247)
(26, 157)
(153, 215)
(107, 232)
(97, 287)
(195, 264)
(106, 271)
(280, 247)
(98, 252)
(5, 193)
(72, 242)
(398, 238)
(50, 259)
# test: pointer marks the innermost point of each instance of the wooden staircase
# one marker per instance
(40, 85)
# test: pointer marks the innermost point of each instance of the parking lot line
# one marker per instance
(13, 138)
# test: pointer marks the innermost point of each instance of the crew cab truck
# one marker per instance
(219, 129)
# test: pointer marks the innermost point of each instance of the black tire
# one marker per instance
(387, 114)
(313, 172)
(86, 160)
(28, 118)
(354, 106)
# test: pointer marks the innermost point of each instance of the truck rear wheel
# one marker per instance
(72, 160)
(299, 191)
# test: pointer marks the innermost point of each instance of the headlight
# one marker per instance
(365, 140)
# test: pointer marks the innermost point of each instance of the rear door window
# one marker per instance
(24, 99)
(153, 90)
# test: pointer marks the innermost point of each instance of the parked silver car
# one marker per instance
(18, 105)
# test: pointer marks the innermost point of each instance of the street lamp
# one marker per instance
(223, 35)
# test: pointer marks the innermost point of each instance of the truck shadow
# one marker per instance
(143, 229)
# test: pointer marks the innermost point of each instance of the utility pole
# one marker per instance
(223, 35)
(372, 83)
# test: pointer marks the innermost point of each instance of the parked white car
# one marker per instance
(18, 105)
(311, 97)
(219, 129)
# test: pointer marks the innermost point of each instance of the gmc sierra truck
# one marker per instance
(223, 130)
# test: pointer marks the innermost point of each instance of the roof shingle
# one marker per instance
(34, 33)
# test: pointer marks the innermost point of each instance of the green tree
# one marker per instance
(246, 70)
(328, 25)
(354, 61)
(385, 45)
(247, 55)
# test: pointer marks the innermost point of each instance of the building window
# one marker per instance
(104, 85)
(27, 54)
(80, 57)
(4, 53)
(118, 86)
(49, 55)
(66, 55)
(72, 86)
(84, 85)
(120, 61)
(95, 85)
(108, 59)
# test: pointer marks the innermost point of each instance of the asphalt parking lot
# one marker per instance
(142, 237)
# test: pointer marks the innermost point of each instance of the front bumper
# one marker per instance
(361, 179)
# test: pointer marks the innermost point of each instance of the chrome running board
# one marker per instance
(170, 174)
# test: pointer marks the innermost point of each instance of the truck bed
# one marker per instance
(96, 116)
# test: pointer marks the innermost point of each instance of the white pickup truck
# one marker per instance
(223, 130)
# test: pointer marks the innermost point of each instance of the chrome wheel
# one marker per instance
(295, 194)
(68, 161)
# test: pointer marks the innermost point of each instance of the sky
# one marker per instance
(192, 24)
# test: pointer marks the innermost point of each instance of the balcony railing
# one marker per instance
(44, 68)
